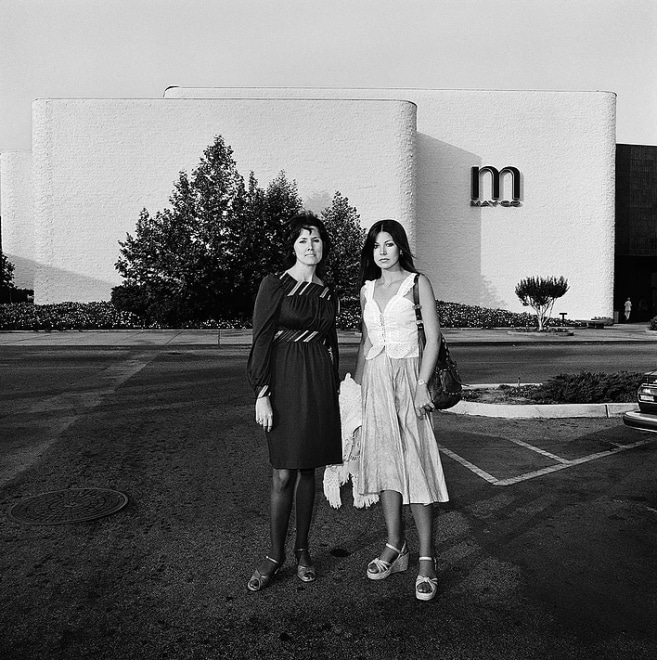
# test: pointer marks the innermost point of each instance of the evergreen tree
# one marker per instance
(178, 262)
(204, 256)
(342, 222)
(6, 272)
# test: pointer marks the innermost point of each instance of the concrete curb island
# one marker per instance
(543, 411)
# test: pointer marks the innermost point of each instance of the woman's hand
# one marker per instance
(422, 402)
(264, 415)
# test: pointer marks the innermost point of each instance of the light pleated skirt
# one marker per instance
(398, 448)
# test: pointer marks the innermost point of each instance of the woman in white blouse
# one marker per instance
(399, 457)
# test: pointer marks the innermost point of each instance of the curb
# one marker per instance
(543, 411)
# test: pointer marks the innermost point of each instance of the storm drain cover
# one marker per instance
(72, 505)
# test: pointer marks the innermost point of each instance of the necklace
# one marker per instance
(389, 284)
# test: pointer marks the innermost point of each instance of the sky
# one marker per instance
(137, 48)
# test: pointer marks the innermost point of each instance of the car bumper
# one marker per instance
(639, 420)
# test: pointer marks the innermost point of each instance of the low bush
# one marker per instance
(91, 316)
(590, 387)
(456, 315)
(653, 323)
(65, 316)
(130, 312)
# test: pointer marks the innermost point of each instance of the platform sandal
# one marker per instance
(260, 580)
(378, 569)
(304, 573)
(431, 581)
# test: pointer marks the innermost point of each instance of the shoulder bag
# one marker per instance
(445, 386)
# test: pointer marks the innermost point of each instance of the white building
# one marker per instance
(398, 153)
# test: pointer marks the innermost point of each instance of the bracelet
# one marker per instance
(421, 382)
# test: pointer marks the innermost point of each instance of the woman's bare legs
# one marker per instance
(391, 501)
(423, 515)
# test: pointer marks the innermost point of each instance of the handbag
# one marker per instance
(445, 386)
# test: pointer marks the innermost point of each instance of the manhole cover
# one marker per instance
(73, 505)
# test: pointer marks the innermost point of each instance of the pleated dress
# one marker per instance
(294, 357)
(398, 449)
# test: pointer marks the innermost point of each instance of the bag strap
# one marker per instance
(443, 353)
(417, 307)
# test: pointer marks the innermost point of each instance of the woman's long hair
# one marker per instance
(368, 269)
(306, 220)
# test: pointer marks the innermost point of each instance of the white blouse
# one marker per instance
(393, 329)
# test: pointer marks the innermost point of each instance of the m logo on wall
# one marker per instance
(496, 179)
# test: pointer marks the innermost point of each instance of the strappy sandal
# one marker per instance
(378, 569)
(431, 581)
(304, 573)
(260, 580)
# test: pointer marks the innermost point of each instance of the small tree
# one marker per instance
(6, 272)
(539, 293)
(179, 260)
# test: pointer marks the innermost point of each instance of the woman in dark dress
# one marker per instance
(293, 368)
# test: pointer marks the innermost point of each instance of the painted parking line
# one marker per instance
(49, 418)
(542, 452)
(562, 463)
(471, 466)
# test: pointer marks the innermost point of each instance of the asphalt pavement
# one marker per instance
(547, 548)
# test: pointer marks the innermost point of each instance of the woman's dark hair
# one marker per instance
(305, 220)
(368, 269)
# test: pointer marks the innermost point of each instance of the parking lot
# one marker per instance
(547, 548)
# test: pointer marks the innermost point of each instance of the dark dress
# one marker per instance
(295, 355)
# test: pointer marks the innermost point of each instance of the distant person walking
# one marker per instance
(399, 458)
(293, 368)
(627, 309)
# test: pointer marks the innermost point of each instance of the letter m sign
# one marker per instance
(477, 177)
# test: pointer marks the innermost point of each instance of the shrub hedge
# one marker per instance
(590, 387)
(104, 315)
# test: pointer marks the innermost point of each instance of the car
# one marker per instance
(645, 418)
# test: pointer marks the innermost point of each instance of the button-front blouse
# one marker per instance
(393, 329)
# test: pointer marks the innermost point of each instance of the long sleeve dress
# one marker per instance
(294, 357)
(398, 448)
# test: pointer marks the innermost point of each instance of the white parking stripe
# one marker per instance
(542, 452)
(561, 465)
(465, 463)
(66, 408)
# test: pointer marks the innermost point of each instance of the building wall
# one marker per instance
(636, 230)
(97, 163)
(17, 214)
(636, 200)
(563, 143)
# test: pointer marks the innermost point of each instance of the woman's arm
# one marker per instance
(365, 344)
(259, 364)
(430, 354)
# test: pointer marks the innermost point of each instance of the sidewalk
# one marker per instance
(626, 333)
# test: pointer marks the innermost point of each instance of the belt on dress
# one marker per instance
(297, 335)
